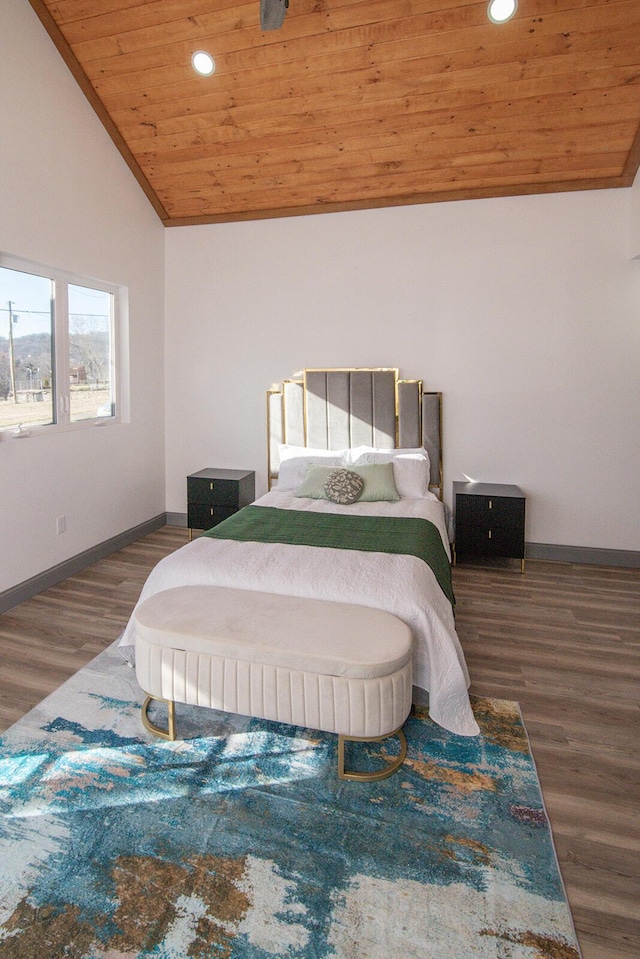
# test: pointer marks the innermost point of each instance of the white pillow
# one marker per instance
(286, 452)
(382, 455)
(294, 461)
(411, 468)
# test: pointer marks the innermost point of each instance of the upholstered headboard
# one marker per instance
(343, 408)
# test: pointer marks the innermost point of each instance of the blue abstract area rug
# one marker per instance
(240, 842)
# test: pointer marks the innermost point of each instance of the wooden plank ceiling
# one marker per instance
(357, 104)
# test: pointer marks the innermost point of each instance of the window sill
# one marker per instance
(50, 429)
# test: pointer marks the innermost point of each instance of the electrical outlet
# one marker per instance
(61, 524)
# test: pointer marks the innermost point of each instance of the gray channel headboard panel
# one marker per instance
(343, 408)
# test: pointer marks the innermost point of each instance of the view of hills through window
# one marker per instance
(55, 351)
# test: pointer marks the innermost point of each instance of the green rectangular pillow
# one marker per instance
(378, 479)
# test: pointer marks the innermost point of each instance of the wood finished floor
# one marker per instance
(563, 640)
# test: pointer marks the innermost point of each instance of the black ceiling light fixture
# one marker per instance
(272, 13)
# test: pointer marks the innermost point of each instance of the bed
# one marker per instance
(297, 540)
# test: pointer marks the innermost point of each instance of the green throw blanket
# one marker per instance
(379, 534)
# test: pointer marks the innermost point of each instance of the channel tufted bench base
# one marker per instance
(322, 665)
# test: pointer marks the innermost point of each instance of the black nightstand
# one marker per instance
(214, 495)
(489, 521)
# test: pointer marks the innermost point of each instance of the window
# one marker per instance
(58, 348)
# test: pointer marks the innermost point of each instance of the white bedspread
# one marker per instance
(402, 585)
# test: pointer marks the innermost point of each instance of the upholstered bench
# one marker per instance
(330, 666)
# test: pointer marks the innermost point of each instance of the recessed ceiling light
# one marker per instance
(499, 11)
(203, 63)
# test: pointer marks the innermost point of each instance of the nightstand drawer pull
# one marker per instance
(489, 534)
(211, 486)
(490, 504)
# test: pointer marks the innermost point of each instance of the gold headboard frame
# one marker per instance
(354, 406)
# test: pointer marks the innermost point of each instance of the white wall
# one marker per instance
(523, 311)
(635, 218)
(68, 200)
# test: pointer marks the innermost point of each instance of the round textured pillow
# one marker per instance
(343, 486)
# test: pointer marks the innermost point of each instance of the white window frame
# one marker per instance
(61, 406)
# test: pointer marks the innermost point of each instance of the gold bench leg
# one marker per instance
(383, 773)
(168, 733)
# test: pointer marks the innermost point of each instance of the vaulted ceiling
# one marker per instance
(357, 104)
